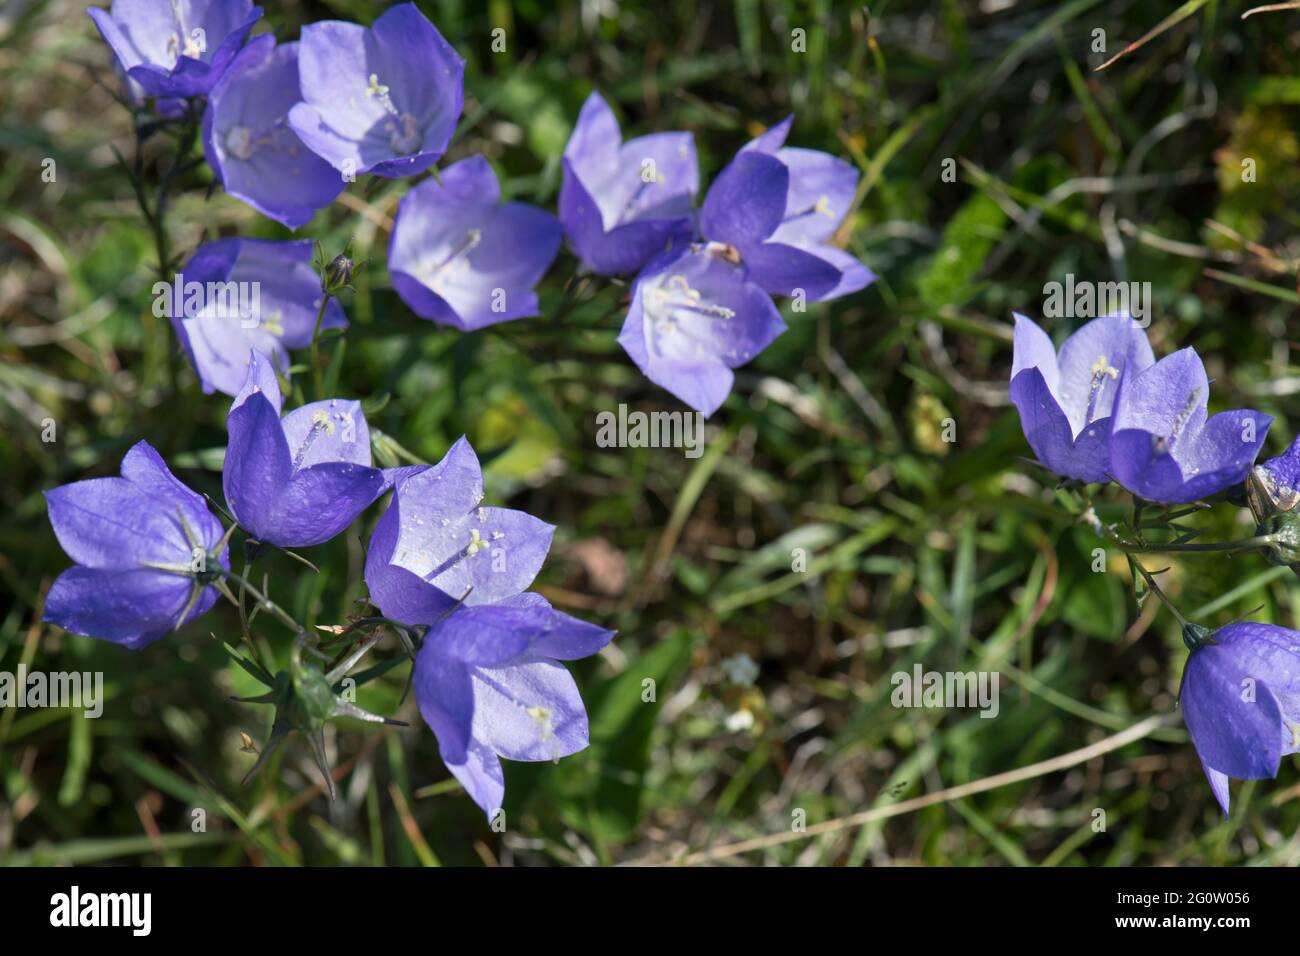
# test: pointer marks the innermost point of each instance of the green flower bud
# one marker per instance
(338, 275)
(1284, 529)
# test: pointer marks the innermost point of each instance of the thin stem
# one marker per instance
(156, 218)
(315, 346)
(1155, 589)
(1142, 547)
(224, 588)
(1244, 544)
(243, 614)
(266, 603)
(189, 135)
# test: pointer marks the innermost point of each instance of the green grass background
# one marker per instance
(955, 555)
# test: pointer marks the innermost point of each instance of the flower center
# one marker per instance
(403, 134)
(1166, 444)
(822, 207)
(271, 323)
(402, 128)
(1100, 370)
(320, 424)
(640, 191)
(239, 142)
(542, 717)
(674, 300)
(437, 275)
(242, 142)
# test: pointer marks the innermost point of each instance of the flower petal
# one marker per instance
(320, 502)
(530, 711)
(110, 523)
(258, 465)
(853, 274)
(822, 189)
(144, 468)
(446, 538)
(1218, 786)
(1235, 732)
(788, 270)
(560, 636)
(1049, 434)
(397, 592)
(133, 608)
(746, 202)
(1091, 363)
(249, 144)
(333, 430)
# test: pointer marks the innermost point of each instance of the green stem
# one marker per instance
(229, 595)
(315, 346)
(1244, 544)
(1155, 589)
(189, 135)
(266, 603)
(155, 345)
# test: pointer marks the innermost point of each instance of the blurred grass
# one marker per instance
(952, 555)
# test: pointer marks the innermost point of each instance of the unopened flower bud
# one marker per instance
(338, 275)
(1284, 529)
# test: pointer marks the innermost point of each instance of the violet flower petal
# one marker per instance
(251, 148)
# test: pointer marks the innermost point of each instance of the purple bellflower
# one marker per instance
(622, 203)
(437, 531)
(460, 257)
(241, 294)
(490, 684)
(176, 50)
(821, 192)
(300, 480)
(744, 208)
(694, 317)
(383, 100)
(1066, 400)
(1164, 448)
(248, 142)
(1241, 702)
(488, 677)
(147, 550)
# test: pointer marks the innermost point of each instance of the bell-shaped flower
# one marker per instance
(694, 317)
(1065, 400)
(252, 150)
(241, 294)
(487, 676)
(1240, 699)
(489, 683)
(438, 531)
(821, 192)
(297, 481)
(461, 257)
(147, 550)
(622, 203)
(1164, 447)
(176, 50)
(744, 208)
(383, 100)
